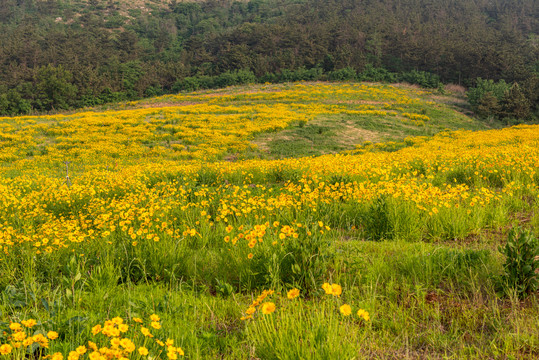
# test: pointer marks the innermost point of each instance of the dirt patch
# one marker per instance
(356, 102)
(231, 158)
(166, 104)
(351, 135)
(262, 143)
(346, 134)
(456, 89)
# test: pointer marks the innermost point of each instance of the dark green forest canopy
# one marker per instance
(68, 53)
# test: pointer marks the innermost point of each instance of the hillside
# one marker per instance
(192, 225)
(269, 179)
(262, 121)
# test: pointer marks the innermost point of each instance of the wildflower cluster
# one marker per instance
(273, 234)
(192, 127)
(345, 309)
(140, 196)
(151, 182)
(19, 339)
(117, 338)
(266, 307)
(332, 289)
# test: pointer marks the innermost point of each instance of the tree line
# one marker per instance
(62, 54)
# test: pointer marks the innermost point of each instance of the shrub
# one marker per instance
(300, 74)
(189, 83)
(12, 103)
(421, 78)
(488, 106)
(370, 73)
(515, 104)
(230, 78)
(342, 74)
(484, 87)
(521, 263)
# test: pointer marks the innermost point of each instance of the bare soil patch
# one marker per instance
(351, 135)
(166, 104)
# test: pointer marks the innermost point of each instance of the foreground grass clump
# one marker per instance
(388, 250)
(522, 263)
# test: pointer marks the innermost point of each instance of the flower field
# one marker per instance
(164, 218)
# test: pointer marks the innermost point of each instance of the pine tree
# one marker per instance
(515, 104)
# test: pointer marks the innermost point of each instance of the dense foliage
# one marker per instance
(521, 250)
(490, 99)
(63, 54)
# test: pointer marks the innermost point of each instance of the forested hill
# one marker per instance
(59, 54)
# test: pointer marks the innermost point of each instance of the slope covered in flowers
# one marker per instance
(150, 204)
(451, 174)
(207, 127)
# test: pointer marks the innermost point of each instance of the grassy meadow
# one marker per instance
(292, 221)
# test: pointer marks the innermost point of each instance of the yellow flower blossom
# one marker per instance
(5, 349)
(292, 294)
(363, 314)
(29, 323)
(268, 308)
(345, 309)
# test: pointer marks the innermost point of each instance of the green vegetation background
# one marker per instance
(62, 54)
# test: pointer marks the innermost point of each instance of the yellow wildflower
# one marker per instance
(268, 308)
(345, 309)
(363, 314)
(5, 349)
(155, 325)
(29, 323)
(292, 294)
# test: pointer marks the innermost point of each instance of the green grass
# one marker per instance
(431, 284)
(327, 134)
(426, 300)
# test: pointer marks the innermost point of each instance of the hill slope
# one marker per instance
(265, 121)
(126, 228)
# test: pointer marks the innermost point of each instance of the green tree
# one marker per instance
(488, 105)
(483, 87)
(12, 103)
(515, 104)
(54, 88)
